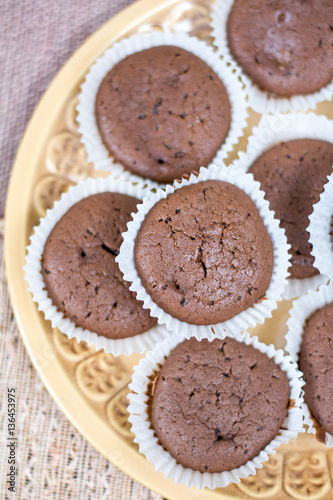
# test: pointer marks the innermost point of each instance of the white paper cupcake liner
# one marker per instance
(163, 461)
(260, 100)
(280, 128)
(33, 275)
(320, 230)
(251, 316)
(91, 138)
(302, 309)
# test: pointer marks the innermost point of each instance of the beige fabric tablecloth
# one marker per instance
(54, 460)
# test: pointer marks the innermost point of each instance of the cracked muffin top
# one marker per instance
(217, 404)
(284, 46)
(316, 362)
(203, 253)
(79, 269)
(163, 113)
(293, 175)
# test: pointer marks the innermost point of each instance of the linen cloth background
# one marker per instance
(54, 460)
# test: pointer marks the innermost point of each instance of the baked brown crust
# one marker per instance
(283, 46)
(293, 175)
(217, 404)
(316, 362)
(163, 113)
(81, 275)
(203, 254)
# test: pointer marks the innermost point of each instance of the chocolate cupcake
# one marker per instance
(217, 404)
(291, 156)
(206, 252)
(203, 254)
(293, 175)
(160, 106)
(163, 113)
(309, 342)
(208, 413)
(284, 47)
(316, 362)
(281, 50)
(79, 269)
(72, 273)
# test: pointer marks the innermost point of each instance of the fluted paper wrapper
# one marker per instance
(302, 309)
(254, 314)
(320, 230)
(96, 150)
(270, 132)
(163, 461)
(260, 100)
(33, 269)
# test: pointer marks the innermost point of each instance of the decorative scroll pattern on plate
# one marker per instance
(267, 482)
(118, 415)
(67, 157)
(71, 349)
(47, 191)
(100, 376)
(186, 17)
(306, 475)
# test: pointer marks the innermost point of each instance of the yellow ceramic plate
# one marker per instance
(90, 387)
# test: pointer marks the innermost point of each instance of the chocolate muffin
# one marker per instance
(163, 113)
(293, 175)
(284, 47)
(79, 269)
(203, 253)
(316, 362)
(217, 404)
